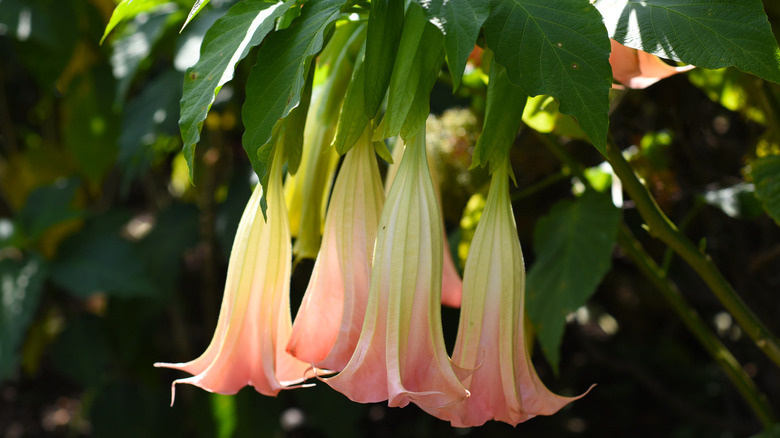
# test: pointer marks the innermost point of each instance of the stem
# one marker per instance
(661, 227)
(667, 260)
(745, 385)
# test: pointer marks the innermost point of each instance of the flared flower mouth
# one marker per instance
(400, 356)
(248, 347)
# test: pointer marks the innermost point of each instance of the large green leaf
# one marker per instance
(417, 64)
(226, 43)
(294, 126)
(560, 48)
(275, 84)
(21, 284)
(460, 21)
(573, 246)
(503, 117)
(352, 118)
(706, 33)
(766, 176)
(385, 24)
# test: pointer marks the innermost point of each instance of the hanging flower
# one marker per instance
(400, 356)
(637, 69)
(451, 284)
(491, 339)
(328, 323)
(254, 323)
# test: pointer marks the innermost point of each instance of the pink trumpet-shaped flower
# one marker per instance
(637, 69)
(400, 356)
(451, 284)
(328, 323)
(254, 323)
(491, 337)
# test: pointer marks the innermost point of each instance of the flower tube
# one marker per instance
(400, 356)
(491, 335)
(327, 326)
(451, 284)
(248, 347)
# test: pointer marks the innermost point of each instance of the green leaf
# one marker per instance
(503, 117)
(706, 33)
(560, 48)
(48, 206)
(97, 259)
(294, 125)
(199, 4)
(334, 68)
(21, 285)
(766, 177)
(352, 118)
(226, 43)
(275, 83)
(416, 67)
(385, 23)
(573, 246)
(459, 21)
(127, 9)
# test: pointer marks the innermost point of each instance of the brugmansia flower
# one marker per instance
(637, 69)
(400, 356)
(451, 284)
(328, 323)
(254, 323)
(491, 335)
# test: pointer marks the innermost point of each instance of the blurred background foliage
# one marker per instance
(110, 259)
